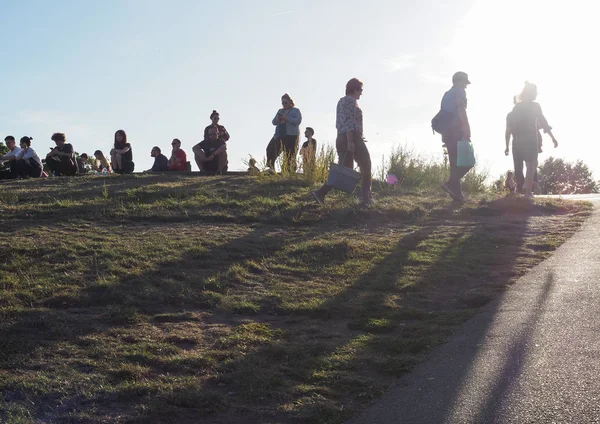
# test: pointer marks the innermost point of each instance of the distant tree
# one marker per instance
(3, 149)
(557, 176)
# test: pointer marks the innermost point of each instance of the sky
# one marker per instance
(157, 69)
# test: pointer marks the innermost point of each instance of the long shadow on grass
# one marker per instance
(470, 274)
(399, 323)
(198, 280)
(391, 323)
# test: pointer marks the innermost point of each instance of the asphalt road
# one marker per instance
(532, 356)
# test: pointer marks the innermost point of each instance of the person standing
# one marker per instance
(29, 164)
(308, 152)
(121, 156)
(10, 157)
(287, 133)
(61, 160)
(350, 144)
(178, 159)
(523, 124)
(223, 134)
(454, 105)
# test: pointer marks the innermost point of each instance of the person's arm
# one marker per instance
(543, 123)
(21, 155)
(507, 135)
(294, 117)
(224, 134)
(123, 150)
(220, 150)
(9, 156)
(277, 120)
(461, 107)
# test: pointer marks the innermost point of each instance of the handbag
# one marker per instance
(465, 157)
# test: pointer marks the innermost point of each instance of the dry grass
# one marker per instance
(160, 299)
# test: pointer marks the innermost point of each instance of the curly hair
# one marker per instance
(58, 137)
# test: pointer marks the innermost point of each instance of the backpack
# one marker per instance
(442, 122)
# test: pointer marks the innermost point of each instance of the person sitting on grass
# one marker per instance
(81, 161)
(223, 134)
(101, 164)
(121, 156)
(178, 159)
(252, 168)
(510, 184)
(10, 158)
(61, 160)
(161, 163)
(211, 153)
(28, 163)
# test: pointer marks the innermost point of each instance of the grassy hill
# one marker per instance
(162, 299)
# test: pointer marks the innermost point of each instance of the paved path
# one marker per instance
(531, 357)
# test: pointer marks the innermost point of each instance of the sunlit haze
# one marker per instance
(158, 68)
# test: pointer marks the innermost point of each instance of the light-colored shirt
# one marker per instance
(29, 153)
(294, 119)
(12, 154)
(525, 120)
(349, 116)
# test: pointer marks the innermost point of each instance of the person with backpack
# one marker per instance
(453, 124)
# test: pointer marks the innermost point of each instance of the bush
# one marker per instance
(557, 176)
(418, 173)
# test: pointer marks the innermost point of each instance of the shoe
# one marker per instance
(451, 192)
(536, 188)
(529, 196)
(320, 200)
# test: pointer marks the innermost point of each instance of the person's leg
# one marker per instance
(531, 167)
(69, 168)
(346, 158)
(52, 166)
(518, 164)
(223, 162)
(128, 166)
(452, 185)
(291, 151)
(113, 162)
(199, 156)
(35, 170)
(18, 168)
(273, 151)
(363, 159)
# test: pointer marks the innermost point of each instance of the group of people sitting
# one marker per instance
(24, 162)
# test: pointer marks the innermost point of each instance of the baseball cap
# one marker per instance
(460, 77)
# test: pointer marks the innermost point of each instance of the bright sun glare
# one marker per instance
(549, 43)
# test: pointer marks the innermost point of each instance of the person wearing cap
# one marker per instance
(454, 103)
(223, 134)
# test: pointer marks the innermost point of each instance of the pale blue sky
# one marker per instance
(158, 68)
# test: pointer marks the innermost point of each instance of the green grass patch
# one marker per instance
(237, 299)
